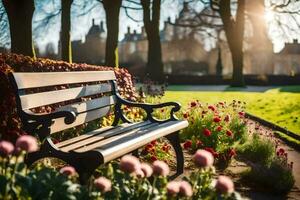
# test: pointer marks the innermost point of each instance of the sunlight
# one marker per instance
(269, 15)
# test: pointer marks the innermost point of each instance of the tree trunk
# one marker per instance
(234, 31)
(112, 11)
(65, 39)
(20, 14)
(154, 63)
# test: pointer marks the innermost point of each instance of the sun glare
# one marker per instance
(269, 15)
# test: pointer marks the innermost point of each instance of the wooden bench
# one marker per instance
(88, 96)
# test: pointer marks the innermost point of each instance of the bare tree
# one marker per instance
(234, 31)
(112, 12)
(20, 14)
(65, 34)
(151, 17)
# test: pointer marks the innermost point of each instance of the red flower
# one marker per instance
(153, 158)
(185, 115)
(206, 132)
(229, 133)
(212, 108)
(219, 128)
(242, 114)
(212, 151)
(231, 153)
(217, 119)
(281, 151)
(193, 104)
(221, 103)
(153, 142)
(187, 144)
(227, 118)
(199, 143)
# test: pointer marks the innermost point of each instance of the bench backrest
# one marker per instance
(90, 94)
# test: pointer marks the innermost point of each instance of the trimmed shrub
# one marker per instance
(10, 126)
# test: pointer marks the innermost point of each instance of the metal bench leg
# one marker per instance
(175, 142)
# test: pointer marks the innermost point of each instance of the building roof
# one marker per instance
(96, 29)
(291, 48)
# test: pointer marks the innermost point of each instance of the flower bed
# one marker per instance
(130, 179)
(10, 127)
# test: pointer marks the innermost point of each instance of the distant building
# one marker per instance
(183, 49)
(287, 61)
(92, 49)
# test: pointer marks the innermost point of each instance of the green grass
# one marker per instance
(280, 105)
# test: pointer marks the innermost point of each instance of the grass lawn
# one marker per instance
(280, 105)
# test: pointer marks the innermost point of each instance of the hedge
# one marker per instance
(10, 126)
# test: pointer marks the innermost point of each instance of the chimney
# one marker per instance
(101, 25)
(295, 41)
(169, 19)
(93, 22)
(128, 29)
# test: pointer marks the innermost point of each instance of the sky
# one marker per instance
(81, 24)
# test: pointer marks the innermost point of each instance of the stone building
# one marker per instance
(183, 49)
(287, 61)
(92, 50)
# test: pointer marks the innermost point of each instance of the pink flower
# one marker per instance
(27, 143)
(103, 184)
(139, 173)
(129, 164)
(187, 144)
(185, 189)
(147, 169)
(173, 188)
(224, 185)
(203, 158)
(206, 132)
(68, 170)
(160, 168)
(6, 148)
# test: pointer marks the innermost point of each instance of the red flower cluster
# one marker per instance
(187, 144)
(206, 132)
(212, 108)
(229, 133)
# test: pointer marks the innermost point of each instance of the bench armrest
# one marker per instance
(32, 121)
(149, 109)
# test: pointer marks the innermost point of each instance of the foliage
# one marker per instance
(258, 150)
(10, 126)
(216, 128)
(17, 181)
(266, 162)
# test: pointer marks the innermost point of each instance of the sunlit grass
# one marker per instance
(280, 106)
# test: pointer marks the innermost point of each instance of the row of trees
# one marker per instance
(20, 13)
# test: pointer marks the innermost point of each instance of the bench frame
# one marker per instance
(86, 163)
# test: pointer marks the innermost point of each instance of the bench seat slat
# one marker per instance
(131, 142)
(46, 98)
(105, 131)
(92, 146)
(82, 118)
(31, 80)
(89, 105)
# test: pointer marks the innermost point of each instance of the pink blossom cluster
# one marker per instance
(25, 143)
